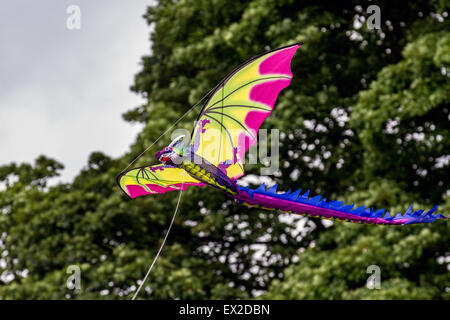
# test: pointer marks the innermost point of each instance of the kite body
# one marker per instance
(226, 127)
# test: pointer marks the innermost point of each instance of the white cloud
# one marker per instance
(63, 91)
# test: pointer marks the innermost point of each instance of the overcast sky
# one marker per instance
(62, 91)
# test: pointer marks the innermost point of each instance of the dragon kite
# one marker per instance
(226, 127)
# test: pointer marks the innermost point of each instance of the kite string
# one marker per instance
(181, 189)
(165, 132)
(162, 244)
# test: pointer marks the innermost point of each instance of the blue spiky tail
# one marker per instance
(317, 207)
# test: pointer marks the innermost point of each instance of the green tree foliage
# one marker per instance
(402, 120)
(365, 119)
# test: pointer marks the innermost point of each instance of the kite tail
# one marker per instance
(321, 208)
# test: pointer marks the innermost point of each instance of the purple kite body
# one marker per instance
(321, 208)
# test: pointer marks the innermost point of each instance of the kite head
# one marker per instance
(172, 152)
(164, 155)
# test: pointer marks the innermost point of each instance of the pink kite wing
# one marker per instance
(155, 179)
(229, 122)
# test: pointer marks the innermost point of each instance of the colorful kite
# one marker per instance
(226, 127)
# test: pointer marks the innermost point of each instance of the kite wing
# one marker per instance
(228, 123)
(155, 179)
